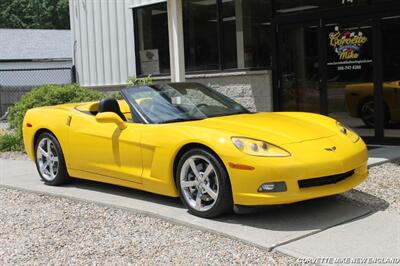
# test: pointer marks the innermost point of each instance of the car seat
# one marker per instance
(111, 105)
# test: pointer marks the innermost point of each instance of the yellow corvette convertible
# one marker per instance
(187, 140)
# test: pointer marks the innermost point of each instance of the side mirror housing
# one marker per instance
(110, 117)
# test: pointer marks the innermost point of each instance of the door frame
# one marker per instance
(374, 13)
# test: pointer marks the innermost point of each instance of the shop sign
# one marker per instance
(149, 61)
(348, 46)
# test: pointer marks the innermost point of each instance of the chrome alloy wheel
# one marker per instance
(199, 183)
(47, 159)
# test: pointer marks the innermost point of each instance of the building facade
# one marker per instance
(334, 57)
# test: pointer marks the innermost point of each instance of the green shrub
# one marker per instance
(113, 94)
(49, 95)
(133, 81)
(11, 142)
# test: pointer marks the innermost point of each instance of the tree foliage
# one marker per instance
(34, 14)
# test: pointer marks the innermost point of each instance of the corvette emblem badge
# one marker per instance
(331, 148)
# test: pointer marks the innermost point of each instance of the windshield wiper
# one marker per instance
(180, 120)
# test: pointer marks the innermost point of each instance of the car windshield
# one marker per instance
(176, 102)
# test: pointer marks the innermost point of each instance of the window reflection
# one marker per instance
(256, 32)
(200, 34)
(152, 39)
(391, 75)
(299, 68)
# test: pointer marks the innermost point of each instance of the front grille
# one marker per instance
(326, 180)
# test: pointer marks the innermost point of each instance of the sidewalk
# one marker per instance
(383, 154)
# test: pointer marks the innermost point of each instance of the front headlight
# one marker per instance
(258, 147)
(348, 132)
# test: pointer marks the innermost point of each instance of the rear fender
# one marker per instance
(55, 120)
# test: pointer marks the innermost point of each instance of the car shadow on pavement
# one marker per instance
(313, 214)
(361, 198)
(126, 192)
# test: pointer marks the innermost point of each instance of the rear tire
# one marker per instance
(203, 184)
(50, 161)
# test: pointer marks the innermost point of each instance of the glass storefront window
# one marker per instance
(391, 75)
(248, 23)
(245, 34)
(350, 75)
(200, 34)
(218, 35)
(299, 67)
(152, 39)
(230, 43)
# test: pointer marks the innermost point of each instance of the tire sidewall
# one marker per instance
(62, 176)
(224, 201)
(386, 114)
(362, 115)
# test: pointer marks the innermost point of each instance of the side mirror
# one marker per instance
(110, 117)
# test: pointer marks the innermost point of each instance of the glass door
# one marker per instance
(298, 67)
(391, 75)
(349, 74)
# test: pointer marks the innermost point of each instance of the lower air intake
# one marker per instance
(326, 180)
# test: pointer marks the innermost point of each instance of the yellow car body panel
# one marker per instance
(143, 156)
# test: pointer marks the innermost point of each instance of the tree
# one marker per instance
(34, 14)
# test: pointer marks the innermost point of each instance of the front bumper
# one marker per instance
(309, 160)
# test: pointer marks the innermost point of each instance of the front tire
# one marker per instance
(50, 161)
(203, 184)
(367, 113)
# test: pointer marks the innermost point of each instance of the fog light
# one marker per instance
(273, 187)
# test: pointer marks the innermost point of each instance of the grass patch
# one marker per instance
(10, 142)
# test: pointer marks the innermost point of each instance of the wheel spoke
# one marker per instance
(55, 159)
(210, 192)
(208, 171)
(52, 171)
(198, 200)
(186, 184)
(43, 152)
(194, 168)
(49, 147)
(44, 166)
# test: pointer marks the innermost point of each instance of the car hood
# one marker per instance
(276, 128)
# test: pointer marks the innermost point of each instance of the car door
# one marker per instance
(104, 149)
